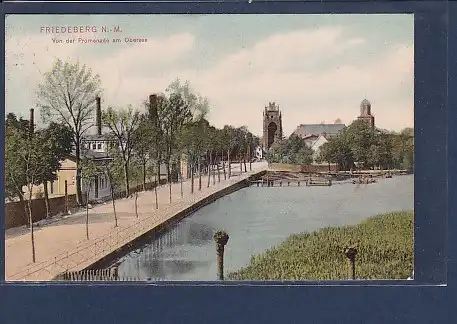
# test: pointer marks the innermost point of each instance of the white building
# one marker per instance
(316, 145)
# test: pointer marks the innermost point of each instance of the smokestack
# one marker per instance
(98, 117)
(31, 123)
(153, 107)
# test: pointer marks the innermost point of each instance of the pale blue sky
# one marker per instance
(317, 67)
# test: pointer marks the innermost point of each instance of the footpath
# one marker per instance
(62, 245)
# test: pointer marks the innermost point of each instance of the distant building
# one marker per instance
(311, 132)
(258, 152)
(316, 146)
(272, 125)
(365, 113)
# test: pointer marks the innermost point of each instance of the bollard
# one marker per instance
(288, 183)
(351, 254)
(280, 183)
(221, 238)
(299, 183)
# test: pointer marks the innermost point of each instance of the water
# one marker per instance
(256, 219)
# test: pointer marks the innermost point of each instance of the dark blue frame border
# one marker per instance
(415, 301)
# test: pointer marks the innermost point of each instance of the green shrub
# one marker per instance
(384, 244)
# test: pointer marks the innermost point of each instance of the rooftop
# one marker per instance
(305, 130)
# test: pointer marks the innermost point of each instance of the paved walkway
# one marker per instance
(62, 245)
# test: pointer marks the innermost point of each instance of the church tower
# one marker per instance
(272, 125)
(365, 113)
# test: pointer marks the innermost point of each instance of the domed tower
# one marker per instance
(365, 113)
(272, 125)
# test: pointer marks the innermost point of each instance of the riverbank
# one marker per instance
(62, 245)
(384, 243)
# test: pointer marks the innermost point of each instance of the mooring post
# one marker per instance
(351, 254)
(221, 238)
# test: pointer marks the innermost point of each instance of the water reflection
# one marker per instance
(256, 219)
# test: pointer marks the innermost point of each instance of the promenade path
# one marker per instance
(62, 245)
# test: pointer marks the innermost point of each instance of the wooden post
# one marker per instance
(221, 238)
(351, 254)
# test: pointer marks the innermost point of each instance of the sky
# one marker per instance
(317, 68)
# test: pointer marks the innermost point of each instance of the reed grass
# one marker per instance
(384, 244)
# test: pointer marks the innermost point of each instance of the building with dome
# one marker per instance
(365, 113)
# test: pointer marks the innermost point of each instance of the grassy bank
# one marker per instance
(384, 243)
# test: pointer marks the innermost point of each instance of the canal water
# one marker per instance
(257, 219)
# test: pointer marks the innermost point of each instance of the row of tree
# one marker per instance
(171, 129)
(370, 148)
(292, 150)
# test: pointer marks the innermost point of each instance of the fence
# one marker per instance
(15, 211)
(95, 249)
(109, 274)
(303, 167)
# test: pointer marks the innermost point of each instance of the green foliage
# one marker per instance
(384, 244)
(123, 124)
(67, 96)
(292, 150)
(372, 148)
(32, 161)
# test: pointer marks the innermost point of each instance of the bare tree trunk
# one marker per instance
(209, 168)
(229, 164)
(136, 204)
(180, 177)
(199, 173)
(157, 179)
(46, 199)
(144, 176)
(169, 179)
(114, 204)
(126, 178)
(223, 168)
(32, 237)
(192, 177)
(250, 158)
(244, 160)
(155, 191)
(218, 169)
(87, 212)
(213, 165)
(78, 170)
(241, 164)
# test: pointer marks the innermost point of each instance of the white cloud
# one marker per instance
(305, 71)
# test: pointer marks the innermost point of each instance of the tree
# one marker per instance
(67, 96)
(292, 150)
(361, 137)
(56, 146)
(144, 151)
(338, 150)
(15, 178)
(90, 170)
(175, 115)
(156, 110)
(123, 124)
(24, 159)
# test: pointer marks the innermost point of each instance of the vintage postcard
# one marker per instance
(209, 147)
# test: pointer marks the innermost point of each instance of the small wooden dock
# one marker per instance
(290, 183)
